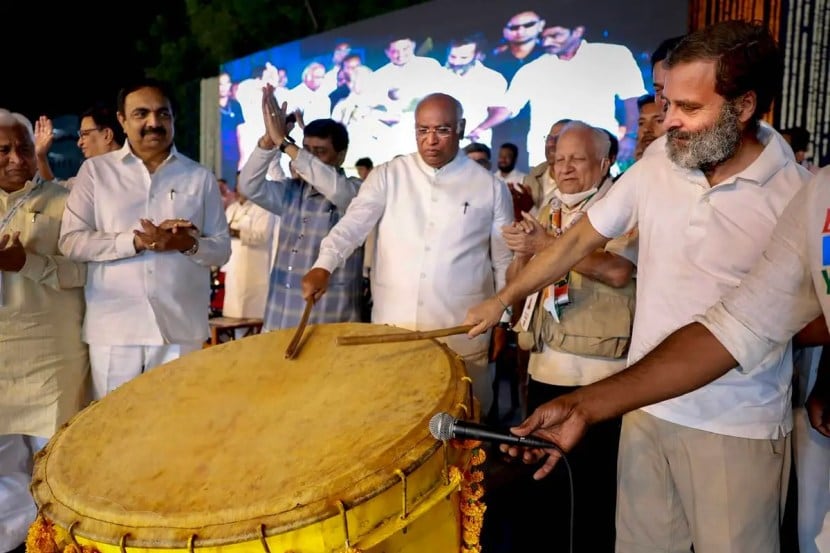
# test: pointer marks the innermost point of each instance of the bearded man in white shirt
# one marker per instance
(150, 223)
(707, 469)
(439, 243)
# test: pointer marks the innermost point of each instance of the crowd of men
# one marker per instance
(655, 310)
(509, 91)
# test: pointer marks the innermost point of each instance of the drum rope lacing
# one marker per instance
(44, 535)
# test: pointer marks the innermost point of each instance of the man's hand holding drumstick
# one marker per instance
(315, 283)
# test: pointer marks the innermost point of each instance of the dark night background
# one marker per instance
(61, 58)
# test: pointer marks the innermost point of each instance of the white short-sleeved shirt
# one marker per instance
(790, 285)
(582, 88)
(477, 89)
(696, 243)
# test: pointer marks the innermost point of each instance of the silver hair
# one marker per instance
(11, 119)
(602, 144)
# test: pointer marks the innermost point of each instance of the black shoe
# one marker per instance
(19, 549)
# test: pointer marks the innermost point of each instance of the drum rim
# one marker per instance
(67, 517)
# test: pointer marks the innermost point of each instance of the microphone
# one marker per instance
(444, 426)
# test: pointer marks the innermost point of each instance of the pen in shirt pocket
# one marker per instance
(466, 205)
(172, 194)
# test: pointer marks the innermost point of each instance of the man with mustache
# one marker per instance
(707, 468)
(150, 223)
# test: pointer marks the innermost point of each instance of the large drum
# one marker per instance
(233, 448)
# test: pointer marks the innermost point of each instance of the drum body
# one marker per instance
(233, 448)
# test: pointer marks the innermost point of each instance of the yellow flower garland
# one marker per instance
(45, 537)
(472, 490)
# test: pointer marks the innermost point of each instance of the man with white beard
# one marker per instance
(708, 468)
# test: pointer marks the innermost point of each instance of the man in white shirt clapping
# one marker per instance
(150, 223)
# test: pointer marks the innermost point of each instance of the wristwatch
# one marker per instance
(192, 249)
(285, 142)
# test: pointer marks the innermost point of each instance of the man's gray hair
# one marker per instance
(602, 144)
(11, 119)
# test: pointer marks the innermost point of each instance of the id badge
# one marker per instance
(527, 312)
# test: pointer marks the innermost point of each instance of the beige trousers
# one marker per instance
(678, 486)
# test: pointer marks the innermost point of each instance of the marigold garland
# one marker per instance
(472, 490)
(44, 537)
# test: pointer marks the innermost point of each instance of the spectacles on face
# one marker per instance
(517, 26)
(443, 131)
(83, 133)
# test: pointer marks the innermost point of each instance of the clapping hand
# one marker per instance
(12, 253)
(527, 237)
(170, 235)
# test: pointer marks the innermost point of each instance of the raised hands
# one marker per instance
(278, 122)
(44, 136)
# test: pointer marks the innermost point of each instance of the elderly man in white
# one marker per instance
(439, 244)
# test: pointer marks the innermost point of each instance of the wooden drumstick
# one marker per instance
(359, 340)
(294, 345)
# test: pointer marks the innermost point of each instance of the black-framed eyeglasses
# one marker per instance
(83, 133)
(517, 26)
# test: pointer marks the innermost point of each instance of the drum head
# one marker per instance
(232, 437)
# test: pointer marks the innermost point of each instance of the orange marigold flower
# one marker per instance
(474, 476)
(40, 538)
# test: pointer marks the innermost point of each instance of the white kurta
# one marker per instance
(247, 270)
(439, 246)
(43, 362)
(149, 298)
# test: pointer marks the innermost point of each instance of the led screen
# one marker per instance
(516, 67)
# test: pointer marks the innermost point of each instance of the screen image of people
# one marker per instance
(515, 69)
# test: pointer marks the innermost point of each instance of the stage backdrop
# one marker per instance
(370, 74)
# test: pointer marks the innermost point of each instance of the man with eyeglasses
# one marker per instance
(576, 79)
(519, 47)
(439, 245)
(99, 133)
